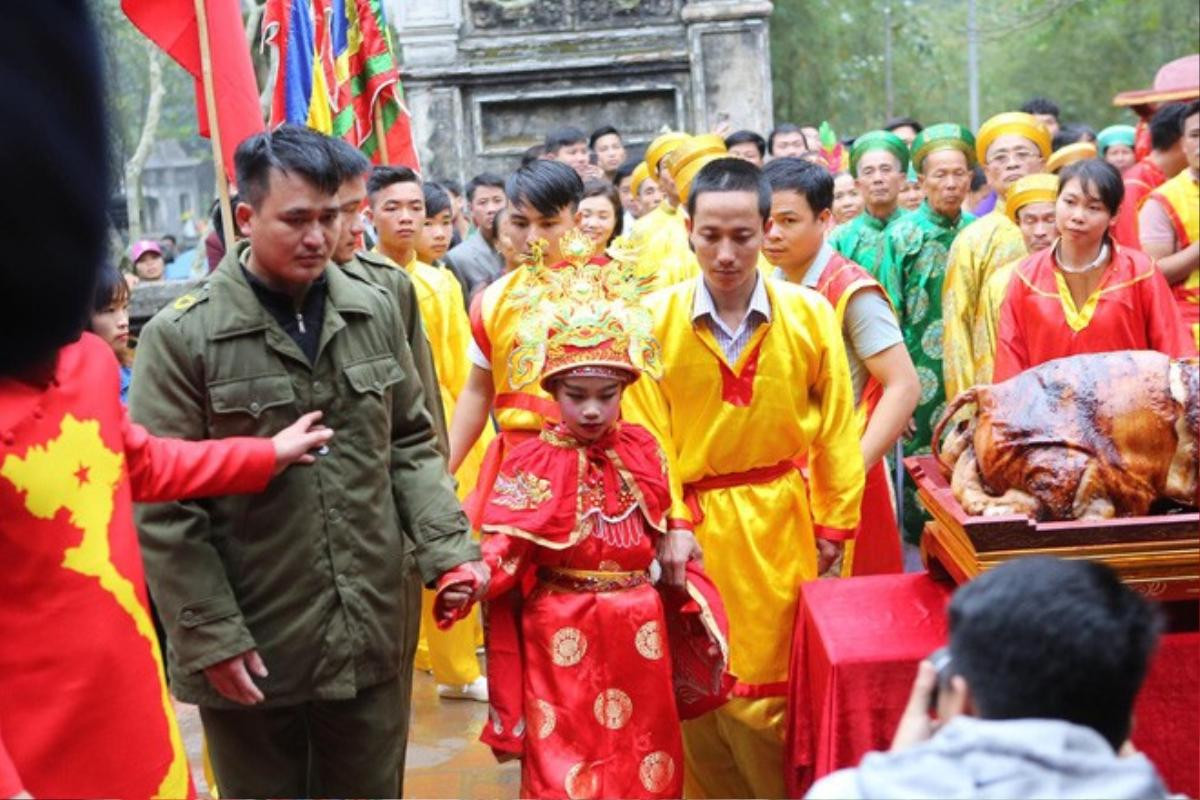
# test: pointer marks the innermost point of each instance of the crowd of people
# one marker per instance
(627, 403)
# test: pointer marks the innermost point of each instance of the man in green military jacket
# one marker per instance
(287, 612)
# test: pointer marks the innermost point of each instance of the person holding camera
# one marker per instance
(1033, 697)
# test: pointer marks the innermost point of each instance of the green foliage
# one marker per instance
(828, 57)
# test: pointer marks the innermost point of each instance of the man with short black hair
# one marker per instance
(1044, 111)
(476, 262)
(606, 144)
(570, 146)
(787, 140)
(747, 145)
(1166, 160)
(1046, 658)
(744, 355)
(286, 614)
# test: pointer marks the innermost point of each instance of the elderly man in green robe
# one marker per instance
(878, 162)
(916, 251)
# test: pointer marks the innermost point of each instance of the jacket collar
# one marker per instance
(241, 312)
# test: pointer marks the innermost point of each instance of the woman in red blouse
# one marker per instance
(1086, 293)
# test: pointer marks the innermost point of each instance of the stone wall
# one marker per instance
(486, 79)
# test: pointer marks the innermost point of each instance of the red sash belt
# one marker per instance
(750, 477)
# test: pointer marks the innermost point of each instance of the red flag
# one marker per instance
(171, 24)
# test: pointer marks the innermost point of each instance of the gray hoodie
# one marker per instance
(978, 758)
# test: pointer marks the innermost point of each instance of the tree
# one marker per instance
(133, 167)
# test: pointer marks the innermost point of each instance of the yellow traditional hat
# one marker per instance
(1069, 154)
(1041, 187)
(1017, 122)
(584, 317)
(693, 148)
(659, 148)
(688, 173)
(640, 173)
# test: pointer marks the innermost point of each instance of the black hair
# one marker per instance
(110, 288)
(1166, 126)
(609, 192)
(902, 122)
(1098, 174)
(349, 160)
(170, 236)
(783, 127)
(450, 185)
(55, 147)
(289, 149)
(603, 130)
(625, 170)
(1070, 133)
(489, 179)
(437, 199)
(561, 137)
(978, 178)
(748, 137)
(383, 177)
(730, 175)
(813, 181)
(532, 153)
(1053, 639)
(548, 186)
(1041, 105)
(496, 222)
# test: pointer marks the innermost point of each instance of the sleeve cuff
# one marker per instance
(680, 523)
(834, 534)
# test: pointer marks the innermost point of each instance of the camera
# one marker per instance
(940, 659)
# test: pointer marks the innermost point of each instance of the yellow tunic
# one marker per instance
(987, 321)
(794, 400)
(450, 653)
(663, 252)
(986, 244)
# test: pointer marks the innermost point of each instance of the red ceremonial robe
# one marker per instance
(84, 710)
(583, 689)
(877, 542)
(1133, 309)
(1140, 180)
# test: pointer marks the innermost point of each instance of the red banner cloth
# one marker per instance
(854, 657)
(171, 24)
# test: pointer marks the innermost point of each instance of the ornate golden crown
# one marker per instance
(582, 312)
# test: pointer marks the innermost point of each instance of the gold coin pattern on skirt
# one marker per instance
(648, 640)
(544, 718)
(582, 782)
(656, 771)
(567, 647)
(613, 708)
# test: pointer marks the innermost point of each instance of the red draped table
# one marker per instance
(855, 650)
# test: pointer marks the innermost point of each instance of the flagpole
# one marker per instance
(214, 130)
(380, 138)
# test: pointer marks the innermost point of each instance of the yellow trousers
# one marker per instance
(736, 750)
(450, 654)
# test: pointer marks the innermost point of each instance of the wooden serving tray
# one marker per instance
(1158, 556)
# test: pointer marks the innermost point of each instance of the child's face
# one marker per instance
(589, 405)
(433, 240)
(112, 324)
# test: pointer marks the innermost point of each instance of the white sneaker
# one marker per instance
(475, 690)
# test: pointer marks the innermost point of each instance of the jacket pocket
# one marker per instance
(210, 609)
(374, 376)
(251, 396)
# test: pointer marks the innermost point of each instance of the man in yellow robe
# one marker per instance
(755, 377)
(397, 209)
(1030, 205)
(1010, 146)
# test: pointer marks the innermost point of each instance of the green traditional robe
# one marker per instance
(916, 250)
(862, 239)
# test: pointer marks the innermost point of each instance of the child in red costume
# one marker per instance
(579, 667)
